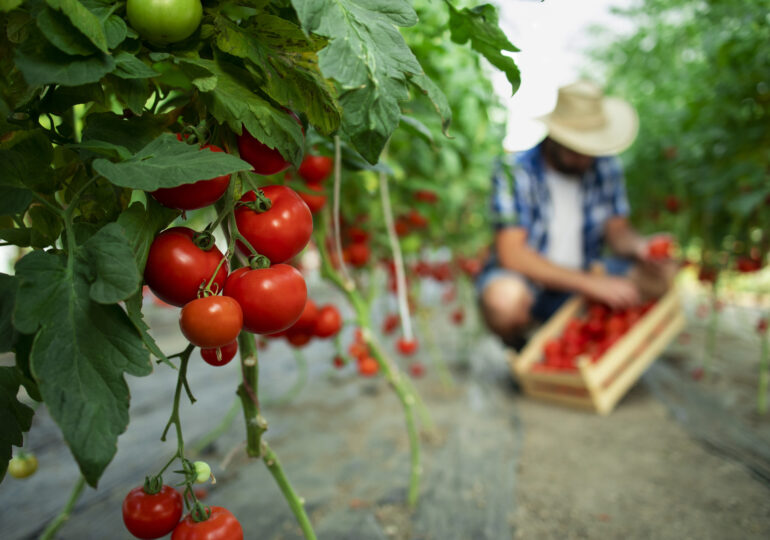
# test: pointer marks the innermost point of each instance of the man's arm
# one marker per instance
(515, 254)
(623, 240)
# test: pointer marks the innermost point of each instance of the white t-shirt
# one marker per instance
(565, 228)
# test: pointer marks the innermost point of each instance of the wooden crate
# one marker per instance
(599, 386)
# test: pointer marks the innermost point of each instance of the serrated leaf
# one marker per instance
(141, 225)
(234, 102)
(437, 97)
(82, 19)
(480, 26)
(369, 58)
(128, 66)
(108, 253)
(57, 29)
(43, 64)
(131, 133)
(8, 286)
(15, 417)
(79, 356)
(168, 162)
(201, 77)
(134, 311)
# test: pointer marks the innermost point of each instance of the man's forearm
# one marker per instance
(622, 239)
(537, 268)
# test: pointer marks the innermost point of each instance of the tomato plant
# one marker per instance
(152, 515)
(220, 524)
(177, 267)
(278, 232)
(272, 299)
(212, 321)
(163, 21)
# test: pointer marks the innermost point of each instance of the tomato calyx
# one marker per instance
(259, 262)
(260, 204)
(152, 484)
(204, 240)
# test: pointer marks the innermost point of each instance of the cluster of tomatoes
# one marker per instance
(591, 336)
(321, 322)
(314, 170)
(359, 350)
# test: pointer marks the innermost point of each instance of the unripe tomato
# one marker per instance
(280, 232)
(272, 298)
(221, 355)
(22, 466)
(329, 322)
(195, 195)
(202, 471)
(407, 347)
(315, 169)
(164, 21)
(212, 321)
(220, 525)
(152, 516)
(176, 268)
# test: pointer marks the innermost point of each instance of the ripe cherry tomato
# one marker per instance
(406, 347)
(747, 265)
(280, 232)
(221, 355)
(357, 254)
(358, 235)
(265, 160)
(315, 169)
(307, 320)
(426, 195)
(176, 267)
(762, 325)
(417, 220)
(672, 204)
(152, 516)
(316, 203)
(368, 366)
(195, 195)
(297, 339)
(212, 321)
(402, 227)
(164, 21)
(458, 316)
(358, 350)
(417, 370)
(390, 323)
(338, 362)
(22, 465)
(329, 321)
(659, 248)
(272, 298)
(220, 525)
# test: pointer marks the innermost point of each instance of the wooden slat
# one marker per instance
(567, 378)
(608, 398)
(563, 399)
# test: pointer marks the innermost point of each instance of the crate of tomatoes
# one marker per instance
(589, 356)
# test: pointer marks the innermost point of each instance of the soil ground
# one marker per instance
(678, 459)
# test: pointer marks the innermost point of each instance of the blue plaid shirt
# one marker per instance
(520, 198)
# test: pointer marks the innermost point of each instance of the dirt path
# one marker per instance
(499, 466)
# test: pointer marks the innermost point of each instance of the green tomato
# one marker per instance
(22, 466)
(164, 21)
(203, 472)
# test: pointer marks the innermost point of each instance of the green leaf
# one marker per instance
(134, 310)
(480, 26)
(46, 226)
(57, 29)
(141, 225)
(129, 66)
(101, 148)
(8, 286)
(60, 99)
(15, 417)
(286, 61)
(115, 30)
(43, 64)
(21, 237)
(14, 200)
(109, 255)
(132, 93)
(82, 19)
(437, 97)
(26, 162)
(79, 357)
(9, 5)
(417, 127)
(131, 133)
(167, 162)
(234, 102)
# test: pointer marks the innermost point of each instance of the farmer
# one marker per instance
(556, 207)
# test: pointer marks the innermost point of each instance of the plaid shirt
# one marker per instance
(520, 198)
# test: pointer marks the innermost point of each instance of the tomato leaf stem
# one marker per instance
(50, 531)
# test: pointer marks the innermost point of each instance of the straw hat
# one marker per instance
(587, 121)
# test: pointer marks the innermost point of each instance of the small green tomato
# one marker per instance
(22, 465)
(203, 472)
(164, 21)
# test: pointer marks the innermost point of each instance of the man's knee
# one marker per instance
(506, 303)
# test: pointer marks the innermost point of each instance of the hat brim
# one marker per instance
(615, 136)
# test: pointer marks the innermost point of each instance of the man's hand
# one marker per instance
(616, 292)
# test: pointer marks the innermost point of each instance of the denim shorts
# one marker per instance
(547, 301)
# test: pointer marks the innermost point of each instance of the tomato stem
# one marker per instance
(764, 373)
(50, 531)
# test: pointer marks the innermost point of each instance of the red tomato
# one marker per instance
(368, 366)
(280, 232)
(471, 267)
(458, 316)
(426, 195)
(390, 323)
(659, 248)
(358, 350)
(417, 370)
(616, 325)
(358, 235)
(152, 516)
(265, 160)
(315, 169)
(221, 355)
(707, 274)
(272, 299)
(672, 204)
(417, 220)
(329, 321)
(552, 348)
(357, 254)
(195, 195)
(220, 525)
(211, 322)
(314, 202)
(297, 338)
(407, 347)
(762, 325)
(338, 362)
(402, 227)
(176, 268)
(598, 311)
(747, 265)
(441, 272)
(307, 320)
